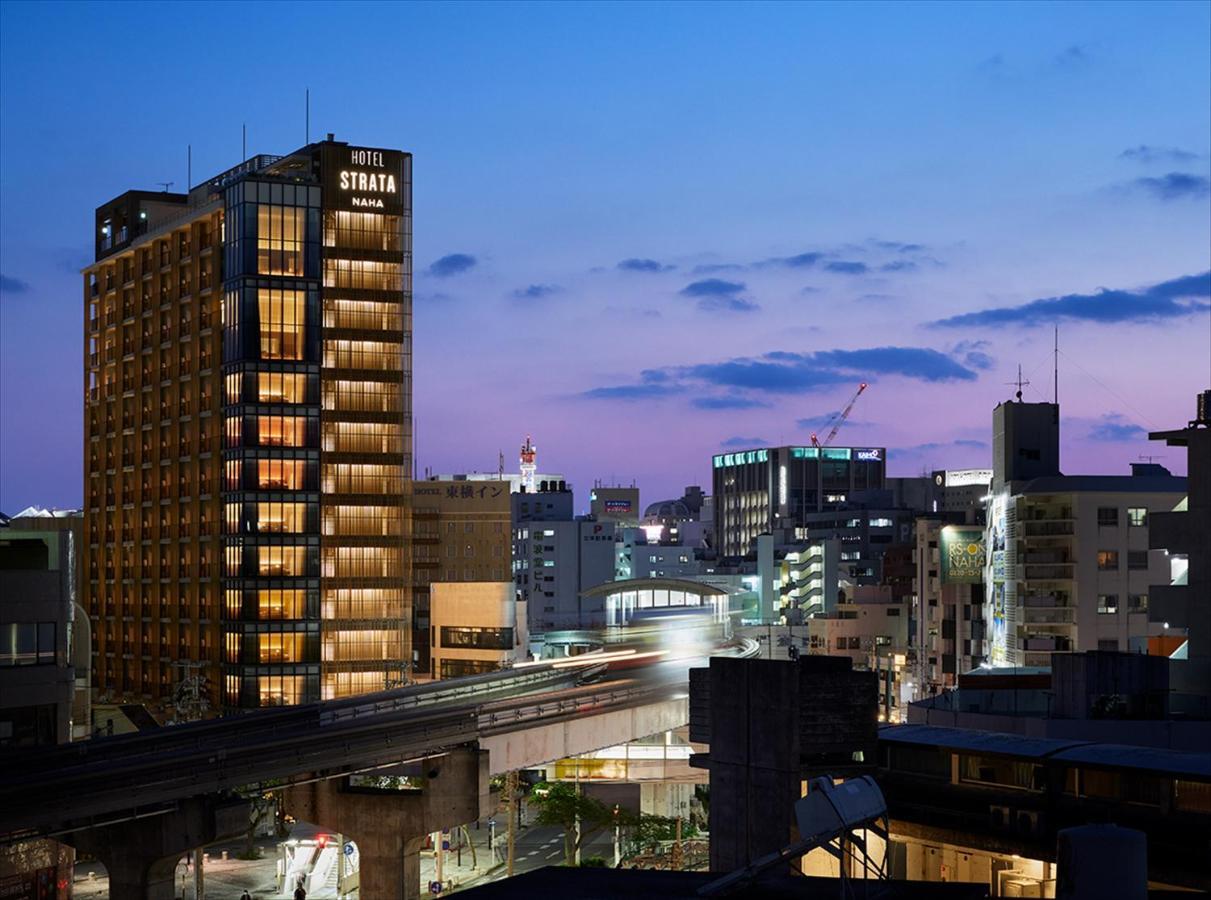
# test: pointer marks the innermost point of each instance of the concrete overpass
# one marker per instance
(140, 801)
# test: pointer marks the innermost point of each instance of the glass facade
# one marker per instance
(316, 430)
(366, 442)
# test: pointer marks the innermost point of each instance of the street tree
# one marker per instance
(560, 804)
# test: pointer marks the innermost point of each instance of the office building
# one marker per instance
(556, 558)
(756, 491)
(476, 627)
(1067, 562)
(864, 536)
(610, 503)
(640, 557)
(460, 533)
(248, 431)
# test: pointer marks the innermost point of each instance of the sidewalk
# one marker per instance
(477, 860)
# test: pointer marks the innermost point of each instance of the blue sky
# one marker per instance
(674, 226)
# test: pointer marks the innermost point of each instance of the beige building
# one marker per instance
(475, 627)
(461, 533)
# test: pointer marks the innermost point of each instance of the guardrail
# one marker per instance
(454, 690)
(496, 720)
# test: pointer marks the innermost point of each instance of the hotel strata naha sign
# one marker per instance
(358, 178)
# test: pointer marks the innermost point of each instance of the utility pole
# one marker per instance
(617, 838)
(511, 794)
(576, 833)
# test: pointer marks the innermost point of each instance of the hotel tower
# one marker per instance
(248, 445)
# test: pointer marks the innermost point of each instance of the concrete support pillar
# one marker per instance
(390, 826)
(141, 855)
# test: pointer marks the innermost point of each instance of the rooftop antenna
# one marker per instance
(1148, 458)
(500, 465)
(188, 167)
(243, 141)
(166, 185)
(308, 104)
(1020, 383)
(1056, 365)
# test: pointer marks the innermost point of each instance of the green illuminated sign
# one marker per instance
(962, 551)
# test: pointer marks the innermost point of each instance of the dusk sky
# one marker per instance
(647, 233)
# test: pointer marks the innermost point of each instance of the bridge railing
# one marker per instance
(463, 688)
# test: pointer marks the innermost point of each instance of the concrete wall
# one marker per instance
(476, 604)
(559, 740)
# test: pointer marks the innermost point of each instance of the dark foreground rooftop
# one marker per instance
(642, 884)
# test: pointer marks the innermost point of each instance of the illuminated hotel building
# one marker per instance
(248, 431)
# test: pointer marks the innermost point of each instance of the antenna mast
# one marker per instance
(308, 104)
(1056, 369)
(1020, 383)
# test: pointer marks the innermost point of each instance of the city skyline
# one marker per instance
(918, 223)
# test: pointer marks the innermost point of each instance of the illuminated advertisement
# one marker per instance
(362, 178)
(967, 477)
(618, 507)
(962, 555)
(994, 578)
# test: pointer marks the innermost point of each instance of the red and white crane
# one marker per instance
(839, 419)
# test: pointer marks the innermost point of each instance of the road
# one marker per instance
(536, 846)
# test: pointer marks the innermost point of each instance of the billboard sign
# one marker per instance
(962, 555)
(994, 577)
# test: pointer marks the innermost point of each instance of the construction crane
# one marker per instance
(839, 419)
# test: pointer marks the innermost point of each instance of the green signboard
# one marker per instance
(962, 555)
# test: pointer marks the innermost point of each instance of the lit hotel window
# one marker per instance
(365, 314)
(280, 474)
(282, 431)
(232, 384)
(280, 604)
(367, 520)
(363, 437)
(281, 387)
(279, 648)
(361, 231)
(281, 561)
(279, 690)
(281, 320)
(362, 603)
(363, 355)
(281, 517)
(361, 274)
(280, 240)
